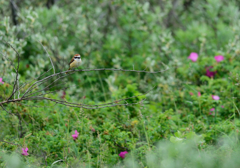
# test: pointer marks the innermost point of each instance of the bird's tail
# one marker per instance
(68, 72)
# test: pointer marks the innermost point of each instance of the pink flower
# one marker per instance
(212, 109)
(219, 58)
(24, 151)
(75, 135)
(122, 154)
(1, 81)
(211, 113)
(191, 93)
(222, 106)
(63, 94)
(210, 73)
(193, 56)
(215, 97)
(199, 94)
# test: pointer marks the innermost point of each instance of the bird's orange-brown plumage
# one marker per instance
(74, 62)
(73, 58)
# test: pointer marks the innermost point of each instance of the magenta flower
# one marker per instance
(24, 151)
(63, 94)
(219, 58)
(211, 113)
(222, 106)
(191, 93)
(75, 135)
(1, 81)
(212, 109)
(122, 154)
(193, 56)
(210, 73)
(199, 94)
(215, 97)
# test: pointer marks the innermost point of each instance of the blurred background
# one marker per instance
(125, 34)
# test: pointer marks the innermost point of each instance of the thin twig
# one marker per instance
(75, 104)
(49, 92)
(6, 110)
(33, 79)
(124, 70)
(99, 105)
(43, 88)
(44, 80)
(81, 106)
(29, 95)
(16, 80)
(39, 106)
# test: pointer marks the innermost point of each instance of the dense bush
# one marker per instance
(197, 40)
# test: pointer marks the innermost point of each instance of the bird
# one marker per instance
(75, 62)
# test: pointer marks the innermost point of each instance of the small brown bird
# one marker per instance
(75, 62)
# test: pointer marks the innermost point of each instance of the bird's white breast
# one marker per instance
(78, 62)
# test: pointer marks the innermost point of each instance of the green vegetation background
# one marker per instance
(126, 34)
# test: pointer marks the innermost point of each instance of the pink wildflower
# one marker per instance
(210, 73)
(199, 94)
(191, 93)
(211, 113)
(75, 135)
(222, 106)
(63, 94)
(1, 81)
(193, 56)
(212, 109)
(24, 151)
(219, 58)
(122, 154)
(215, 97)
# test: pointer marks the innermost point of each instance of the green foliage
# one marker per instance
(128, 34)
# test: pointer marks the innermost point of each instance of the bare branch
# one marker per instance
(6, 110)
(39, 106)
(39, 94)
(19, 88)
(16, 80)
(124, 70)
(46, 92)
(111, 104)
(31, 81)
(42, 81)
(83, 106)
(47, 87)
(14, 10)
(27, 96)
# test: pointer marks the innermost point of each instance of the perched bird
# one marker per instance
(75, 61)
